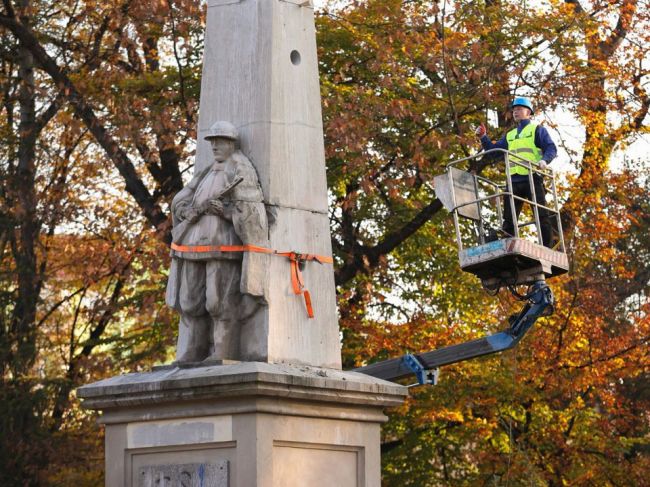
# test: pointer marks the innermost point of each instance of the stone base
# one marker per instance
(247, 424)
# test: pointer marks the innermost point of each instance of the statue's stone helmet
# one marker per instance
(222, 129)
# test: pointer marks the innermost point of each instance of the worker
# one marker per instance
(532, 143)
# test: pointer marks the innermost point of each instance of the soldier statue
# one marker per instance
(214, 283)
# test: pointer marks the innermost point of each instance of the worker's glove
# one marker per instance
(542, 164)
(480, 131)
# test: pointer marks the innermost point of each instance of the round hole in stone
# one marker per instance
(295, 57)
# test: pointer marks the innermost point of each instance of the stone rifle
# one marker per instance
(179, 231)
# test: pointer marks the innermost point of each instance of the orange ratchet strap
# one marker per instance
(296, 259)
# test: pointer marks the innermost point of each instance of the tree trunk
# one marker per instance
(24, 315)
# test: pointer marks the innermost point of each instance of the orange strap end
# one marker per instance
(310, 309)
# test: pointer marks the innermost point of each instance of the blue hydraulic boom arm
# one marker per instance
(539, 302)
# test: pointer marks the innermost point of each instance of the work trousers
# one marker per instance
(522, 189)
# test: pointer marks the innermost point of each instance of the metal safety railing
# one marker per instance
(469, 195)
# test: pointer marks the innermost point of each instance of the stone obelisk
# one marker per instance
(286, 415)
(260, 72)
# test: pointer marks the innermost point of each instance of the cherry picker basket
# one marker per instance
(477, 206)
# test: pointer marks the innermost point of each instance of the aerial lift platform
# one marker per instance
(498, 260)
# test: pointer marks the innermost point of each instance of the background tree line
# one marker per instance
(97, 122)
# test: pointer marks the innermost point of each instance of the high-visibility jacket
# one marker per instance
(523, 144)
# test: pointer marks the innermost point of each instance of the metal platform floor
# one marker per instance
(512, 261)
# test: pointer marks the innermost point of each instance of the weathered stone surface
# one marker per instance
(249, 79)
(292, 336)
(174, 384)
(188, 475)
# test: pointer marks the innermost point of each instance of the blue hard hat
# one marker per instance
(522, 101)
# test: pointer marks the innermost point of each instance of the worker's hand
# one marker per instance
(480, 131)
(542, 164)
(216, 207)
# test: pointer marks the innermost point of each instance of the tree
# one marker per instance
(108, 97)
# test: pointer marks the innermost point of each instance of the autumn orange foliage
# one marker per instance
(97, 121)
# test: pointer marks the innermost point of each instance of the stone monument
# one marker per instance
(256, 396)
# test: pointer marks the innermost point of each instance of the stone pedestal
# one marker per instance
(247, 424)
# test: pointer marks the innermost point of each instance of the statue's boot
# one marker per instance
(225, 340)
(193, 338)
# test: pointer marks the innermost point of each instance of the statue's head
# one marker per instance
(222, 136)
